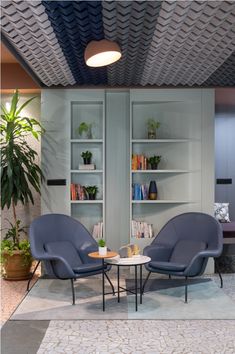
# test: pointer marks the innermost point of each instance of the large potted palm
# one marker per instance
(20, 174)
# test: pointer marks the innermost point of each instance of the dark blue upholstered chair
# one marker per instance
(183, 246)
(63, 244)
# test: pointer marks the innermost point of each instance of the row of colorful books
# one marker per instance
(139, 162)
(78, 192)
(98, 230)
(141, 229)
(140, 191)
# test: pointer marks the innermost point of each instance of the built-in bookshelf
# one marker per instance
(178, 142)
(91, 213)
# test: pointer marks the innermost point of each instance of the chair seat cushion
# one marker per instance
(88, 267)
(185, 250)
(64, 249)
(168, 266)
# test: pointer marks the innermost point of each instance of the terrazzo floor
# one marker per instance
(120, 336)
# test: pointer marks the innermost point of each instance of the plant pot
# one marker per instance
(17, 266)
(92, 196)
(152, 190)
(86, 160)
(154, 166)
(151, 134)
(102, 251)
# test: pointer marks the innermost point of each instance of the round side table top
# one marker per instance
(109, 254)
(135, 260)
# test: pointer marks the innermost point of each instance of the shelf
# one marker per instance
(86, 171)
(160, 201)
(150, 141)
(160, 171)
(86, 141)
(86, 201)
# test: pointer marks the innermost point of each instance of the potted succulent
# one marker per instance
(153, 162)
(84, 130)
(19, 174)
(91, 191)
(86, 155)
(152, 126)
(102, 247)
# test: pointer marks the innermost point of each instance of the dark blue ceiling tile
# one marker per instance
(75, 24)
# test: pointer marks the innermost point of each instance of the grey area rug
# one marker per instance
(164, 299)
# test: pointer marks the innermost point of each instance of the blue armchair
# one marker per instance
(183, 246)
(63, 244)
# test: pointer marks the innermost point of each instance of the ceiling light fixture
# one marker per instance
(101, 53)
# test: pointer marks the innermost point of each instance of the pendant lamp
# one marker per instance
(102, 53)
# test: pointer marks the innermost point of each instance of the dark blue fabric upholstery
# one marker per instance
(185, 250)
(184, 245)
(168, 266)
(63, 244)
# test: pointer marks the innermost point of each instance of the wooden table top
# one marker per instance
(109, 254)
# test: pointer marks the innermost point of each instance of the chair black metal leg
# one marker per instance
(218, 271)
(110, 283)
(169, 276)
(145, 282)
(73, 292)
(31, 276)
(186, 290)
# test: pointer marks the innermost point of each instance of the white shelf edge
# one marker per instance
(160, 202)
(160, 171)
(86, 201)
(86, 140)
(149, 141)
(86, 171)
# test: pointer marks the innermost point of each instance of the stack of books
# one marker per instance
(139, 162)
(98, 230)
(86, 167)
(139, 191)
(77, 192)
(141, 229)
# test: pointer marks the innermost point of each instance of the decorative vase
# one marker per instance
(92, 196)
(102, 251)
(152, 190)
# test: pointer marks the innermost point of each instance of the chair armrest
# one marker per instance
(209, 252)
(158, 252)
(60, 266)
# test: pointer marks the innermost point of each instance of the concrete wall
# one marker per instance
(28, 212)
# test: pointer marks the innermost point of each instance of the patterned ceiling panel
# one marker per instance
(132, 25)
(191, 40)
(26, 26)
(75, 24)
(163, 43)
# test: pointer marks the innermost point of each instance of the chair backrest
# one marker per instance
(59, 227)
(192, 226)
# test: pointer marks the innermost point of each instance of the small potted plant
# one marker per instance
(91, 191)
(153, 162)
(152, 126)
(84, 130)
(102, 247)
(86, 155)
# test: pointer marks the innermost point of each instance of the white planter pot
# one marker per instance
(102, 251)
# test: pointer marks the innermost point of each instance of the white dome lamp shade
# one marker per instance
(102, 53)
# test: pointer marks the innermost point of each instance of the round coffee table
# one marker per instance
(129, 262)
(96, 255)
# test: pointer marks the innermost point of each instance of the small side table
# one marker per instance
(109, 254)
(135, 262)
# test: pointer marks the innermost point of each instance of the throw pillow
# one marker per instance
(221, 212)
